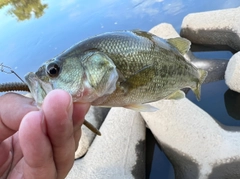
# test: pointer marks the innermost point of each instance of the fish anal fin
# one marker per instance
(181, 44)
(141, 107)
(176, 95)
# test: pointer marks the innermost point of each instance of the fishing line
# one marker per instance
(11, 71)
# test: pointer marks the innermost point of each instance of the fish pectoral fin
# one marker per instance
(181, 44)
(176, 95)
(141, 107)
(121, 77)
(140, 78)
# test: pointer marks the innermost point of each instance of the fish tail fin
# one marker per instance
(197, 89)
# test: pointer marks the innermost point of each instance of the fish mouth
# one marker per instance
(37, 87)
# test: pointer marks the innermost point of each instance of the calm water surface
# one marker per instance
(49, 27)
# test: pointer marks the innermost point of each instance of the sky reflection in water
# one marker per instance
(26, 44)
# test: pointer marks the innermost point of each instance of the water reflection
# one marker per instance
(149, 7)
(25, 46)
(174, 7)
(24, 10)
(232, 103)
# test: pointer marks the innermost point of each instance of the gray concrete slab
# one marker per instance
(95, 116)
(232, 74)
(120, 151)
(220, 27)
(197, 145)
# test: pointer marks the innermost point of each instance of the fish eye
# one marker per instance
(53, 70)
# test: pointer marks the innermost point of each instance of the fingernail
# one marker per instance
(70, 107)
(43, 122)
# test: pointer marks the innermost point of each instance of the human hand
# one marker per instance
(39, 143)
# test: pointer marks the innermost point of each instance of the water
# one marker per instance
(26, 44)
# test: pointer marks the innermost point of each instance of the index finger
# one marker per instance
(13, 107)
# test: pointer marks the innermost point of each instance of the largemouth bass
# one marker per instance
(120, 69)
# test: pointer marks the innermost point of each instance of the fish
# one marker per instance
(120, 69)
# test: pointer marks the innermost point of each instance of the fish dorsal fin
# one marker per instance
(140, 32)
(141, 107)
(181, 44)
(176, 95)
(144, 34)
(140, 78)
(136, 30)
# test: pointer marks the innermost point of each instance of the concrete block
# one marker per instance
(95, 116)
(118, 153)
(232, 74)
(197, 145)
(220, 27)
(164, 30)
